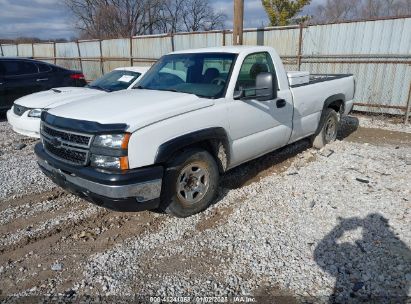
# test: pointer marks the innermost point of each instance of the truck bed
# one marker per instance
(316, 78)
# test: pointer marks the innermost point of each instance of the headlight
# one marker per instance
(35, 113)
(115, 141)
(109, 162)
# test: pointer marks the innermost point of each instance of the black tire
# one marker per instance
(181, 174)
(328, 131)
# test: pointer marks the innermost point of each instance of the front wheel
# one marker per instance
(328, 131)
(190, 183)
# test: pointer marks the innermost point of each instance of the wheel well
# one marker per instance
(213, 140)
(216, 147)
(337, 105)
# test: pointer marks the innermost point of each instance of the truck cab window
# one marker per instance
(202, 74)
(253, 65)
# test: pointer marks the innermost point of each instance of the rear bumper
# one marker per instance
(28, 126)
(133, 190)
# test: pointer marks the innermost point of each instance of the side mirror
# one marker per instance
(266, 86)
(265, 89)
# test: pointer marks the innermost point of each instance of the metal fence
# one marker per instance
(377, 52)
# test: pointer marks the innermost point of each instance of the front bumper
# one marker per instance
(132, 190)
(28, 126)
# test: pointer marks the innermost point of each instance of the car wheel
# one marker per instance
(190, 183)
(328, 131)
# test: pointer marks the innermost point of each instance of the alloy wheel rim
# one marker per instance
(193, 183)
(330, 130)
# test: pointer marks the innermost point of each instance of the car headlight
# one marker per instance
(109, 151)
(109, 162)
(114, 141)
(35, 113)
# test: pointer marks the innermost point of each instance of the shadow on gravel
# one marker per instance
(349, 125)
(3, 117)
(374, 267)
(274, 162)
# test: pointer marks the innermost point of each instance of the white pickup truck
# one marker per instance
(194, 115)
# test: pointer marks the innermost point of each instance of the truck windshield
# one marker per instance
(202, 74)
(115, 81)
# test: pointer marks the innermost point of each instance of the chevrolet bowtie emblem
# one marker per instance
(56, 142)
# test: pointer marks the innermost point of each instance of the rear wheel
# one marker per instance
(329, 129)
(190, 183)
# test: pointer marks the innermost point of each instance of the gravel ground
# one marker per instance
(321, 226)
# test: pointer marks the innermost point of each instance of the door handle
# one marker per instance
(42, 79)
(281, 103)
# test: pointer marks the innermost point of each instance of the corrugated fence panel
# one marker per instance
(91, 53)
(43, 50)
(151, 47)
(116, 49)
(368, 37)
(388, 84)
(25, 50)
(284, 41)
(68, 50)
(9, 50)
(199, 40)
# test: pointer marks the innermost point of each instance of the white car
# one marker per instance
(24, 116)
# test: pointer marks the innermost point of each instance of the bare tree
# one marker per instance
(340, 10)
(125, 18)
(199, 15)
(373, 9)
(336, 10)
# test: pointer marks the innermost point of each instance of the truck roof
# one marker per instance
(233, 49)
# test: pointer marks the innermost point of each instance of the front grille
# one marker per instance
(19, 110)
(67, 155)
(66, 136)
(67, 146)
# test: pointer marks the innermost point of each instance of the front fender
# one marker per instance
(169, 148)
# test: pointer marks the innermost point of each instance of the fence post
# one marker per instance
(300, 47)
(32, 50)
(101, 58)
(131, 52)
(79, 56)
(1, 49)
(172, 41)
(54, 52)
(17, 49)
(408, 110)
(224, 38)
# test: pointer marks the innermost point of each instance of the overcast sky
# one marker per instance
(49, 19)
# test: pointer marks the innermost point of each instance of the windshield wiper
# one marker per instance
(99, 88)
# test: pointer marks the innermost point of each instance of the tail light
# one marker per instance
(77, 76)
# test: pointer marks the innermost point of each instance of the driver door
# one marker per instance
(258, 127)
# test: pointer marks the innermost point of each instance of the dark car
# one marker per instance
(21, 76)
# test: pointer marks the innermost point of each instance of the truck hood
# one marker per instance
(53, 98)
(136, 108)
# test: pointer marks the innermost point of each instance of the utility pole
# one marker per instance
(238, 22)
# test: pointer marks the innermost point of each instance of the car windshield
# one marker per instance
(115, 81)
(203, 74)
